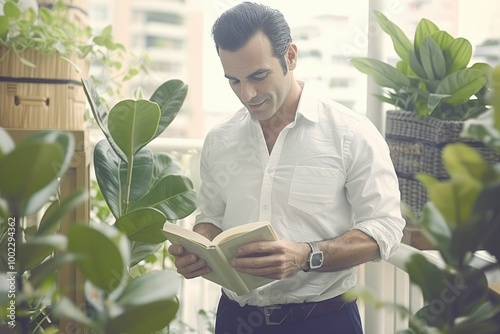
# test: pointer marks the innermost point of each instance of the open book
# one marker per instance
(219, 252)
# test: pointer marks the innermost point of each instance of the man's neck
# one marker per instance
(284, 116)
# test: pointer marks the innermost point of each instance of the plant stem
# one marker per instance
(130, 167)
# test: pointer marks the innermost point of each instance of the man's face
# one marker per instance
(256, 76)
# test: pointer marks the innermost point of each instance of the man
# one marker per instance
(320, 173)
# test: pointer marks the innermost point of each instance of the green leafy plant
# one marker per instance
(461, 217)
(28, 181)
(142, 189)
(432, 76)
(33, 300)
(51, 31)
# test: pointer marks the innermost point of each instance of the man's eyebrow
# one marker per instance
(257, 72)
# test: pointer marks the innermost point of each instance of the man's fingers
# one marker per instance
(176, 250)
(188, 264)
(190, 269)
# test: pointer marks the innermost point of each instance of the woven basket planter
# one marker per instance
(416, 145)
(48, 96)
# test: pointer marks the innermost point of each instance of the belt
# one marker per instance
(278, 314)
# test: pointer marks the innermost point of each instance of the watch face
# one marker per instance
(316, 260)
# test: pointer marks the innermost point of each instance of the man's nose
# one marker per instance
(248, 92)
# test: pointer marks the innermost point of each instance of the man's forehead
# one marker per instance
(254, 55)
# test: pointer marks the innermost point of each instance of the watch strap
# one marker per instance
(314, 249)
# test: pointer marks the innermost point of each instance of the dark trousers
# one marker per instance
(234, 319)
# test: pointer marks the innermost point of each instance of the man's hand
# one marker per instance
(188, 264)
(271, 259)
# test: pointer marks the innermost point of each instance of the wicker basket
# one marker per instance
(48, 96)
(416, 145)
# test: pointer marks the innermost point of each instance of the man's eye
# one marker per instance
(260, 76)
(233, 82)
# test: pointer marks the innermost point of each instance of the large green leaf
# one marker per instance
(173, 195)
(402, 44)
(442, 38)
(65, 308)
(457, 54)
(37, 249)
(479, 320)
(48, 269)
(50, 222)
(403, 66)
(169, 96)
(11, 9)
(455, 198)
(142, 174)
(427, 276)
(435, 228)
(383, 74)
(473, 287)
(483, 129)
(100, 113)
(164, 165)
(150, 287)
(487, 209)
(4, 27)
(143, 225)
(140, 251)
(133, 124)
(462, 160)
(29, 174)
(415, 65)
(107, 171)
(147, 304)
(432, 59)
(103, 254)
(434, 101)
(425, 28)
(461, 85)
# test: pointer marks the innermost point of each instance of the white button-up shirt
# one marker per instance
(328, 172)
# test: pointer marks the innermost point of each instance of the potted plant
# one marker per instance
(143, 190)
(461, 217)
(45, 51)
(433, 90)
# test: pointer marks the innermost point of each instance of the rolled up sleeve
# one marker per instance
(373, 190)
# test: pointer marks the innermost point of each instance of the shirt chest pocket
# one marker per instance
(313, 189)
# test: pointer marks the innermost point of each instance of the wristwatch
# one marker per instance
(315, 260)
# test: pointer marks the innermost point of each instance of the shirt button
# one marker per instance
(261, 292)
(265, 207)
(269, 171)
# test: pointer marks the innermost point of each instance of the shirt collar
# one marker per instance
(308, 103)
(307, 106)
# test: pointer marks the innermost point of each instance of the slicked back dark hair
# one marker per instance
(235, 27)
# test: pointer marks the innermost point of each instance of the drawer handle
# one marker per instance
(31, 101)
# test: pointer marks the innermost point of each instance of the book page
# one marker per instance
(234, 232)
(229, 247)
(171, 230)
(222, 272)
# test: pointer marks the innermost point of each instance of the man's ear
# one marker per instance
(291, 56)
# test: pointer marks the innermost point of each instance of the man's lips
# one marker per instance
(256, 105)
